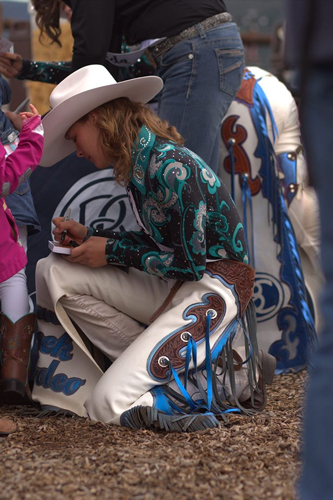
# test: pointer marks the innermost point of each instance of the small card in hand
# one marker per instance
(56, 247)
(6, 45)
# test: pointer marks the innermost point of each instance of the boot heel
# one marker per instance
(268, 368)
(13, 392)
(12, 385)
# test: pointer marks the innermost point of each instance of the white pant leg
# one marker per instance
(64, 286)
(110, 330)
(86, 293)
(134, 293)
(14, 296)
(128, 381)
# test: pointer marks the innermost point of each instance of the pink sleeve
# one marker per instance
(20, 164)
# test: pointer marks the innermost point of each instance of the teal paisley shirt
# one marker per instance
(184, 210)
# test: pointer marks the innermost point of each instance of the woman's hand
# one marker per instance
(91, 253)
(10, 64)
(75, 230)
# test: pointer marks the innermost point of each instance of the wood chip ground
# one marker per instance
(253, 458)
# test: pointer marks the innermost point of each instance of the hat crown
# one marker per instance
(82, 80)
(81, 92)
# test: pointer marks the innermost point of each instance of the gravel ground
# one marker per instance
(253, 458)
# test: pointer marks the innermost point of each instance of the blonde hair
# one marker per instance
(119, 122)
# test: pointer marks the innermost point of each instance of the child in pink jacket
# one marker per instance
(16, 337)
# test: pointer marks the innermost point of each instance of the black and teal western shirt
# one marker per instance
(184, 211)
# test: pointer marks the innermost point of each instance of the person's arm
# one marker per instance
(19, 165)
(184, 215)
(13, 66)
(181, 253)
(10, 64)
(92, 25)
(185, 223)
(177, 264)
(47, 72)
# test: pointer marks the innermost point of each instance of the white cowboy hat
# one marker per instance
(78, 94)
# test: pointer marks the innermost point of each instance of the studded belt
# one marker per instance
(205, 25)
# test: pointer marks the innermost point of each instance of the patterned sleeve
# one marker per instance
(175, 212)
(41, 71)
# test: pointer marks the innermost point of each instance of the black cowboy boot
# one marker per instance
(15, 359)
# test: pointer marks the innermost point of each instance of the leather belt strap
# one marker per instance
(167, 301)
(235, 273)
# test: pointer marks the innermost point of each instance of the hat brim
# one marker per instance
(57, 122)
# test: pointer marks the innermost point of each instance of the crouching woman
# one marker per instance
(169, 304)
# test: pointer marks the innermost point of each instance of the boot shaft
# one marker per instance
(15, 346)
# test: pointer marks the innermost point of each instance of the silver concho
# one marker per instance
(163, 361)
(213, 313)
(185, 336)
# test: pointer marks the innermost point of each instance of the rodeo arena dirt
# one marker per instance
(251, 458)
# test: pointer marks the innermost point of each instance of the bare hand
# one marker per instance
(91, 253)
(75, 230)
(18, 119)
(26, 114)
(10, 64)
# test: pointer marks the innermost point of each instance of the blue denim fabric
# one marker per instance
(5, 91)
(201, 77)
(317, 475)
(5, 95)
(20, 202)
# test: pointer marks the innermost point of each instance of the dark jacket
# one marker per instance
(99, 25)
(309, 32)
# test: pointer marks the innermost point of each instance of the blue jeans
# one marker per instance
(201, 76)
(317, 475)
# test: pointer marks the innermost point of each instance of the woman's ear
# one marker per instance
(93, 117)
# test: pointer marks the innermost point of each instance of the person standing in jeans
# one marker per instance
(309, 47)
(200, 56)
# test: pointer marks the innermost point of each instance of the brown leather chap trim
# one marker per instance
(234, 273)
(238, 274)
